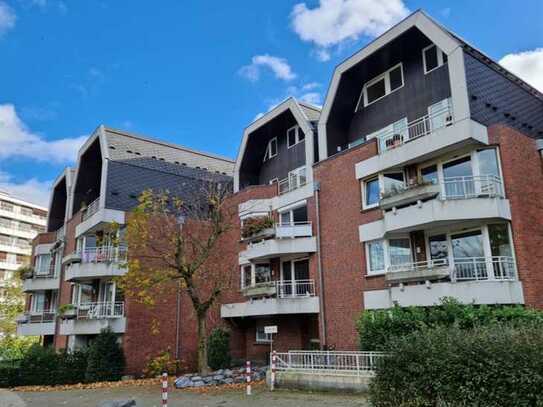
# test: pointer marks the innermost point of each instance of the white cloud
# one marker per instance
(527, 65)
(335, 21)
(7, 18)
(18, 141)
(31, 190)
(279, 66)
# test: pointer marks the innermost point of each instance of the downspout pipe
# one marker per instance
(322, 315)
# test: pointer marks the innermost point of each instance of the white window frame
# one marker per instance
(363, 184)
(386, 253)
(253, 272)
(271, 181)
(297, 140)
(267, 154)
(386, 76)
(440, 58)
(267, 337)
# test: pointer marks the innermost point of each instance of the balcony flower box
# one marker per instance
(260, 290)
(409, 194)
(67, 311)
(255, 228)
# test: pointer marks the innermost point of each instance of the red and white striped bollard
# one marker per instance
(273, 365)
(164, 389)
(248, 372)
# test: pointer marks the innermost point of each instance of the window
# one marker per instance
(376, 257)
(295, 135)
(262, 336)
(429, 174)
(370, 192)
(262, 273)
(294, 216)
(439, 248)
(271, 149)
(6, 206)
(381, 86)
(43, 262)
(246, 275)
(433, 58)
(399, 251)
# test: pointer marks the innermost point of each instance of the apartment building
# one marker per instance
(76, 260)
(20, 222)
(420, 178)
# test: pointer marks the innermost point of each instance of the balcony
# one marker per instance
(93, 217)
(36, 323)
(92, 317)
(290, 297)
(98, 262)
(412, 145)
(464, 269)
(277, 247)
(44, 279)
(478, 280)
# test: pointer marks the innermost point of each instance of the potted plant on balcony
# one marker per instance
(67, 311)
(254, 227)
(24, 272)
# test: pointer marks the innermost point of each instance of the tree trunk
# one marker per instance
(203, 368)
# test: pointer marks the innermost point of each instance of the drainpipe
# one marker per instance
(322, 317)
(177, 318)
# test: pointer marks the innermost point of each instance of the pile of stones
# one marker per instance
(220, 377)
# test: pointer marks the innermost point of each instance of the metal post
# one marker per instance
(248, 371)
(164, 389)
(273, 364)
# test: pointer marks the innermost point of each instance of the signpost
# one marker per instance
(271, 330)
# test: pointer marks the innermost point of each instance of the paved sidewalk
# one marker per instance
(150, 397)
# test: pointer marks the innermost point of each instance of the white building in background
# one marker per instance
(20, 222)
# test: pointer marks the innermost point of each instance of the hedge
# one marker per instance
(377, 327)
(218, 349)
(489, 366)
(106, 360)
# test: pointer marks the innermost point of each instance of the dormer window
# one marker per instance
(271, 149)
(381, 86)
(295, 135)
(433, 58)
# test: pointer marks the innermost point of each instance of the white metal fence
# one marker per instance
(417, 128)
(37, 317)
(329, 362)
(472, 187)
(484, 268)
(99, 310)
(419, 265)
(104, 254)
(294, 181)
(91, 209)
(296, 288)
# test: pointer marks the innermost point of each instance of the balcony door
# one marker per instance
(295, 277)
(458, 178)
(469, 255)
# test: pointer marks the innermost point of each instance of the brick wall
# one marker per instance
(342, 253)
(522, 168)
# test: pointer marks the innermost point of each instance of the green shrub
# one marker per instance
(490, 366)
(218, 349)
(377, 328)
(9, 373)
(39, 366)
(72, 366)
(164, 362)
(106, 360)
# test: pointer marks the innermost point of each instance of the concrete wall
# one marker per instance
(319, 382)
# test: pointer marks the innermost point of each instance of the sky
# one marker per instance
(196, 73)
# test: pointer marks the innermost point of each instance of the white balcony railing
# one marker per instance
(466, 268)
(93, 207)
(37, 317)
(417, 266)
(472, 187)
(296, 288)
(46, 272)
(484, 268)
(106, 254)
(417, 128)
(100, 310)
(293, 229)
(329, 362)
(292, 182)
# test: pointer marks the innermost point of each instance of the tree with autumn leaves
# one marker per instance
(174, 242)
